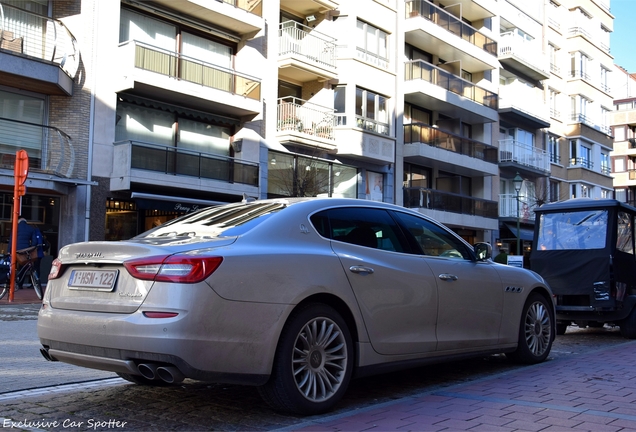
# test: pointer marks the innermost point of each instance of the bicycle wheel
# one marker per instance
(4, 289)
(35, 280)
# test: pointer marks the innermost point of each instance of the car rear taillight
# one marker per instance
(173, 268)
(56, 269)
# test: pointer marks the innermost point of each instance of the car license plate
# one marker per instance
(101, 280)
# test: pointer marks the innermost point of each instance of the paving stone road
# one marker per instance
(99, 405)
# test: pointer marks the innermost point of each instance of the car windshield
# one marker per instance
(221, 221)
(585, 229)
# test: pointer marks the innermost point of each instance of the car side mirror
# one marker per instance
(483, 251)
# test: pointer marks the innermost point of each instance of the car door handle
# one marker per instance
(447, 277)
(361, 270)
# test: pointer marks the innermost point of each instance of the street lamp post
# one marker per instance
(517, 182)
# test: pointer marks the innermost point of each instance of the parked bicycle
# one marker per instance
(25, 273)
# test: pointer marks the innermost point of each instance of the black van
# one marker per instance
(584, 248)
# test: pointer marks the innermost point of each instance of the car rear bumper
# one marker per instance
(211, 339)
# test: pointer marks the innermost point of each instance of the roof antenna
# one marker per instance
(247, 199)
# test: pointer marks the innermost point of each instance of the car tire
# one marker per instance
(141, 380)
(628, 325)
(536, 331)
(313, 362)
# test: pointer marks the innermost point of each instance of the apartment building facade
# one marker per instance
(623, 123)
(433, 105)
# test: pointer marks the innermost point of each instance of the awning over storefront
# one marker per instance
(524, 233)
(171, 203)
(200, 115)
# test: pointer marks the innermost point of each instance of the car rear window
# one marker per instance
(221, 221)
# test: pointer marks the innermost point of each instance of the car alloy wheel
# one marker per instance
(313, 363)
(319, 359)
(538, 331)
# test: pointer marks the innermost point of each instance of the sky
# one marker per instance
(623, 38)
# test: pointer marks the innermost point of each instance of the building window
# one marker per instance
(618, 164)
(605, 163)
(579, 109)
(371, 111)
(21, 121)
(585, 191)
(553, 143)
(372, 44)
(292, 175)
(554, 59)
(579, 63)
(339, 104)
(605, 79)
(554, 104)
(554, 191)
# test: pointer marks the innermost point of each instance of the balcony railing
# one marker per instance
(581, 162)
(299, 40)
(450, 23)
(50, 150)
(425, 134)
(511, 44)
(555, 158)
(305, 117)
(176, 65)
(421, 70)
(576, 31)
(555, 69)
(580, 74)
(38, 36)
(433, 199)
(508, 207)
(184, 162)
(513, 151)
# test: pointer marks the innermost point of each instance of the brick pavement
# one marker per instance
(22, 296)
(591, 392)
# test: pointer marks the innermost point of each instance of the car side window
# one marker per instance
(433, 239)
(368, 227)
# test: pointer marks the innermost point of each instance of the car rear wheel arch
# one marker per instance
(340, 306)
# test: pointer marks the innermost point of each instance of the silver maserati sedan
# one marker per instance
(295, 296)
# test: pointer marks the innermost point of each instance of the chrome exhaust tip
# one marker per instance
(170, 374)
(46, 355)
(148, 370)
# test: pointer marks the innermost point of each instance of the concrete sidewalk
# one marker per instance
(591, 392)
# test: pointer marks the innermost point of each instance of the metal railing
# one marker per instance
(581, 162)
(511, 150)
(177, 65)
(420, 69)
(508, 207)
(555, 158)
(511, 44)
(451, 23)
(422, 133)
(433, 199)
(184, 162)
(299, 40)
(580, 74)
(575, 31)
(299, 115)
(50, 150)
(372, 125)
(38, 36)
